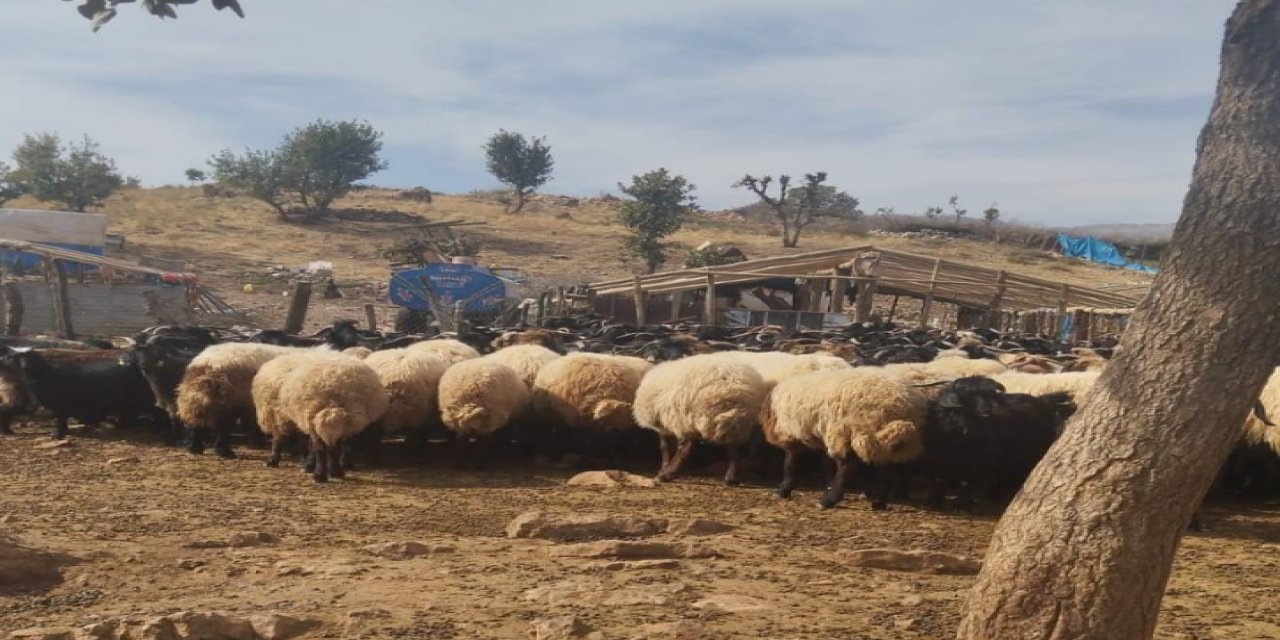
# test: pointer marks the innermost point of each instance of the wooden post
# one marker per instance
(867, 265)
(677, 300)
(563, 304)
(1063, 298)
(638, 293)
(542, 306)
(298, 308)
(62, 300)
(1080, 325)
(993, 309)
(709, 304)
(524, 315)
(893, 308)
(838, 286)
(370, 317)
(12, 308)
(927, 308)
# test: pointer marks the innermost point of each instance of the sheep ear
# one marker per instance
(949, 400)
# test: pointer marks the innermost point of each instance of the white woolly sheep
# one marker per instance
(704, 397)
(526, 359)
(1076, 383)
(776, 366)
(590, 390)
(359, 353)
(944, 369)
(331, 399)
(266, 399)
(477, 398)
(455, 350)
(1256, 431)
(217, 391)
(845, 413)
(412, 381)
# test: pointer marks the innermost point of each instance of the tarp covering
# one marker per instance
(1100, 251)
(84, 232)
(478, 289)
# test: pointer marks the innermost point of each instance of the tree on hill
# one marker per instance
(76, 175)
(990, 215)
(313, 166)
(932, 213)
(1086, 548)
(659, 205)
(955, 208)
(800, 207)
(9, 188)
(195, 175)
(525, 164)
(100, 12)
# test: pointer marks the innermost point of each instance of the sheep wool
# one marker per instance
(332, 398)
(589, 390)
(854, 411)
(480, 396)
(775, 367)
(359, 353)
(1257, 432)
(454, 350)
(704, 397)
(266, 392)
(218, 384)
(526, 359)
(412, 381)
(1077, 383)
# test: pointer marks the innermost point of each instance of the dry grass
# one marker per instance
(231, 242)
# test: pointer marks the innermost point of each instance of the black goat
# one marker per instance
(90, 386)
(162, 359)
(978, 435)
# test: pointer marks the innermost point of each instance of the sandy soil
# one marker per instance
(118, 517)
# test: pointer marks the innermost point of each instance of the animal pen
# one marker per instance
(75, 293)
(859, 284)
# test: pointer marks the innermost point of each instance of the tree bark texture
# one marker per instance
(1086, 549)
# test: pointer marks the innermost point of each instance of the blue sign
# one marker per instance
(476, 288)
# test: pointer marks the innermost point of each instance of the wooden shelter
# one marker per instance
(827, 282)
(83, 293)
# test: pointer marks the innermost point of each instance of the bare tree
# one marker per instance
(1085, 550)
(802, 206)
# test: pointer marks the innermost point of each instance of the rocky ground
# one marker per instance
(113, 535)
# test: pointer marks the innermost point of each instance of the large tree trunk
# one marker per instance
(1085, 550)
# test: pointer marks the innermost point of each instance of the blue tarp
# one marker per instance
(479, 290)
(1100, 251)
(31, 262)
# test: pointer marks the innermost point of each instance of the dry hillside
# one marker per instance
(231, 242)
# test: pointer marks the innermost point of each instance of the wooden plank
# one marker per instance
(709, 304)
(993, 309)
(13, 308)
(62, 300)
(638, 293)
(677, 300)
(927, 309)
(1063, 297)
(867, 265)
(298, 308)
(370, 317)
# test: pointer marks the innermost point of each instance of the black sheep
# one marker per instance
(978, 435)
(90, 386)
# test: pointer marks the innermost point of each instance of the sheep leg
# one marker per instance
(835, 490)
(338, 454)
(461, 451)
(735, 460)
(677, 461)
(667, 444)
(6, 424)
(198, 435)
(788, 472)
(60, 430)
(222, 443)
(886, 479)
(277, 450)
(481, 451)
(320, 455)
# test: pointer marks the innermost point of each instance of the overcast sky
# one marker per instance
(1063, 112)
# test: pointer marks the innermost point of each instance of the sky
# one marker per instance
(1063, 113)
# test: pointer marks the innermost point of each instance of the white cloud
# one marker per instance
(1064, 112)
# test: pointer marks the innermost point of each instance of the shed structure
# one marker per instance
(827, 285)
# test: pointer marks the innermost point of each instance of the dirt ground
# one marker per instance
(118, 515)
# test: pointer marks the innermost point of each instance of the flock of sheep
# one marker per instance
(961, 422)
